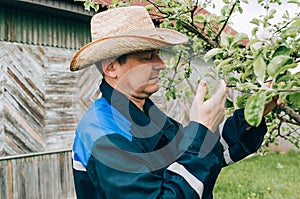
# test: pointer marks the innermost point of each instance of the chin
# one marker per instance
(149, 92)
(153, 88)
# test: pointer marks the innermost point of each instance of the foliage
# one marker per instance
(89, 4)
(245, 62)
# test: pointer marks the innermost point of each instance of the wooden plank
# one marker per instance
(30, 155)
(35, 29)
(18, 179)
(18, 28)
(40, 34)
(60, 34)
(45, 30)
(43, 176)
(10, 179)
(5, 180)
(35, 176)
(24, 105)
(67, 176)
(2, 24)
(29, 27)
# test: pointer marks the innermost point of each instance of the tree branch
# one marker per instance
(293, 114)
(286, 24)
(289, 121)
(158, 8)
(288, 90)
(201, 36)
(225, 23)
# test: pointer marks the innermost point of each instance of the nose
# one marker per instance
(158, 63)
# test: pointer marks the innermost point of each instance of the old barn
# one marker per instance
(41, 101)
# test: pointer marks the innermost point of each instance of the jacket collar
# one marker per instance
(147, 126)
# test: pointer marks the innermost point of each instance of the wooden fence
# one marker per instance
(46, 175)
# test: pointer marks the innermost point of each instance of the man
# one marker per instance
(125, 147)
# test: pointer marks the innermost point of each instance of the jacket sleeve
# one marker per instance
(129, 173)
(237, 141)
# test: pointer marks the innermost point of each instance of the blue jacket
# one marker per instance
(121, 152)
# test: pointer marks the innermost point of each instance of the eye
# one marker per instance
(147, 57)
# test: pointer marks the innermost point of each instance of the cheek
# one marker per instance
(140, 80)
(140, 74)
(136, 77)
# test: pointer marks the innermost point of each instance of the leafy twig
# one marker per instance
(192, 29)
(279, 90)
(289, 90)
(285, 25)
(158, 8)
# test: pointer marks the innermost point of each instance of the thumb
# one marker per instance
(201, 91)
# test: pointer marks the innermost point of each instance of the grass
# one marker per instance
(273, 176)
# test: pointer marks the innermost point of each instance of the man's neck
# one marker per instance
(139, 102)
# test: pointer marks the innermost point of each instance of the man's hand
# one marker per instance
(271, 105)
(275, 101)
(210, 113)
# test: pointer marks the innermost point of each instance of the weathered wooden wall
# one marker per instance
(37, 90)
(42, 101)
(22, 101)
(37, 97)
(39, 28)
(37, 176)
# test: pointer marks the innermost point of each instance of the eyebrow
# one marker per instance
(144, 52)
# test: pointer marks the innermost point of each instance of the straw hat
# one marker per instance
(120, 31)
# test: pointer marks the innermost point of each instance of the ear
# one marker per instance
(109, 69)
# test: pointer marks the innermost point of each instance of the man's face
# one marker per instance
(138, 76)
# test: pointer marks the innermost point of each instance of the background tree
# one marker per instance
(245, 62)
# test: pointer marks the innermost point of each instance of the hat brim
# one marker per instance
(139, 40)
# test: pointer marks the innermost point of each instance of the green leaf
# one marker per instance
(282, 50)
(211, 53)
(246, 87)
(275, 65)
(284, 77)
(241, 100)
(95, 6)
(294, 1)
(295, 99)
(228, 103)
(254, 108)
(199, 18)
(284, 69)
(240, 9)
(149, 7)
(223, 63)
(260, 69)
(255, 21)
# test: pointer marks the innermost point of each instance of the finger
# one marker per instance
(221, 92)
(223, 100)
(201, 91)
